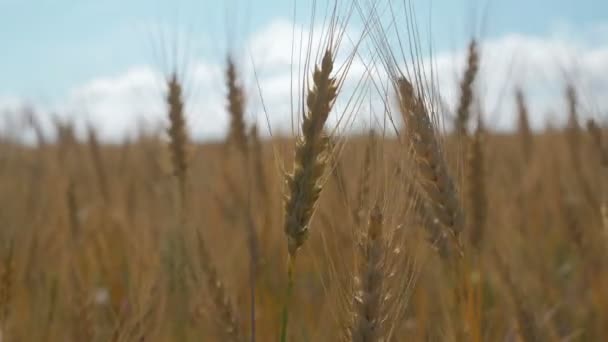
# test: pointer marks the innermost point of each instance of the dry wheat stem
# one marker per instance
(476, 192)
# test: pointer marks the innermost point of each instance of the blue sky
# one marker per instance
(51, 47)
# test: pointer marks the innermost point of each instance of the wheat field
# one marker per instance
(404, 232)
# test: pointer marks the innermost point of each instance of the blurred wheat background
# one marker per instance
(378, 211)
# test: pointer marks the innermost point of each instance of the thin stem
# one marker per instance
(290, 282)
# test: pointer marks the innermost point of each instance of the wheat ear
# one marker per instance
(367, 305)
(304, 183)
(236, 105)
(177, 132)
(466, 89)
(433, 178)
(178, 144)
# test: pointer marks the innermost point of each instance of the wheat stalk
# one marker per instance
(476, 190)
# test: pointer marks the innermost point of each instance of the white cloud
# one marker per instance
(117, 104)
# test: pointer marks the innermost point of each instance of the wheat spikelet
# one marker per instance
(433, 178)
(236, 99)
(466, 90)
(309, 165)
(367, 305)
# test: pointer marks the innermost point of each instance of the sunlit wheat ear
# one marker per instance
(435, 183)
(466, 90)
(476, 188)
(523, 124)
(304, 184)
(177, 132)
(236, 108)
(367, 302)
